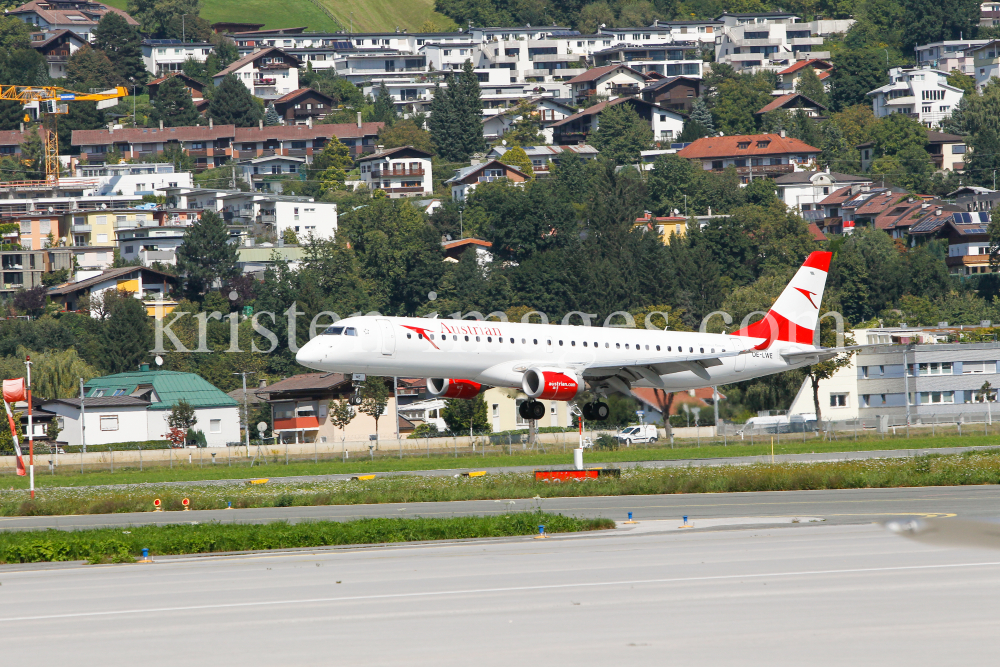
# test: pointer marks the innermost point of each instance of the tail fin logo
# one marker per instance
(809, 295)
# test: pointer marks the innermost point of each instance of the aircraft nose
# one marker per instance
(310, 355)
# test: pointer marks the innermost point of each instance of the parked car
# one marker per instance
(642, 433)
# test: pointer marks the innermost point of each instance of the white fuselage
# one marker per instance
(498, 353)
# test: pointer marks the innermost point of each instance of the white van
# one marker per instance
(630, 434)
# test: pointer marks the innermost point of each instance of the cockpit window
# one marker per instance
(333, 331)
(350, 331)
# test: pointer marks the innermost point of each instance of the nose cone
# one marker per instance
(310, 355)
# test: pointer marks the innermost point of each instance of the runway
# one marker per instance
(845, 506)
(648, 594)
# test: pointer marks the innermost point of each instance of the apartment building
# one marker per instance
(772, 40)
(949, 55)
(669, 59)
(985, 62)
(666, 124)
(399, 172)
(989, 14)
(162, 56)
(151, 244)
(532, 59)
(703, 32)
(754, 155)
(80, 16)
(23, 269)
(269, 73)
(922, 93)
(134, 180)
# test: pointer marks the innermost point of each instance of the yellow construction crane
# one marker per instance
(51, 102)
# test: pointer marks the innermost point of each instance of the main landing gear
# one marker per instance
(596, 411)
(531, 410)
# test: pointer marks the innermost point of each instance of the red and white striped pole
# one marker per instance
(31, 433)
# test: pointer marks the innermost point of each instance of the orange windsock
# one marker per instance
(13, 390)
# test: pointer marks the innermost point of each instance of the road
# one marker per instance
(647, 594)
(846, 506)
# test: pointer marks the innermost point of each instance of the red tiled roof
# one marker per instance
(877, 203)
(152, 134)
(894, 216)
(56, 35)
(295, 93)
(710, 147)
(597, 72)
(188, 79)
(449, 245)
(816, 233)
(838, 196)
(15, 137)
(57, 16)
(339, 130)
(786, 100)
(823, 75)
(815, 62)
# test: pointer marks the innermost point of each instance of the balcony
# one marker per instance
(198, 152)
(296, 423)
(407, 190)
(80, 228)
(296, 152)
(765, 169)
(265, 81)
(624, 91)
(402, 172)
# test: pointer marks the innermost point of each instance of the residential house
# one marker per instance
(542, 157)
(794, 103)
(255, 260)
(760, 155)
(898, 219)
(151, 286)
(861, 209)
(663, 226)
(303, 104)
(947, 151)
(949, 55)
(650, 400)
(265, 174)
(134, 406)
(162, 56)
(922, 93)
(802, 191)
(666, 58)
(38, 229)
(11, 140)
(136, 179)
(53, 15)
(269, 73)
(267, 213)
(676, 93)
(195, 87)
(57, 46)
(466, 179)
(789, 78)
(388, 65)
(967, 235)
(772, 40)
(23, 269)
(989, 14)
(985, 62)
(608, 81)
(974, 198)
(400, 172)
(454, 249)
(667, 125)
(151, 244)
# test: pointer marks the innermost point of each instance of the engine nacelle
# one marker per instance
(551, 384)
(448, 388)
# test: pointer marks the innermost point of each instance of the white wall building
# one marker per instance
(802, 191)
(269, 73)
(168, 55)
(133, 179)
(400, 172)
(151, 244)
(923, 93)
(772, 40)
(949, 55)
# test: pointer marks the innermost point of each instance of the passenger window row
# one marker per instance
(489, 339)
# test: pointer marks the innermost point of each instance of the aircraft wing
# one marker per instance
(820, 354)
(652, 369)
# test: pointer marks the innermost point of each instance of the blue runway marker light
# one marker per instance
(229, 504)
(685, 518)
(629, 516)
(145, 554)
(541, 530)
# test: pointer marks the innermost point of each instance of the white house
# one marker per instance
(168, 55)
(150, 286)
(400, 172)
(132, 179)
(924, 93)
(269, 73)
(609, 81)
(134, 406)
(468, 178)
(802, 191)
(949, 55)
(264, 174)
(80, 17)
(151, 244)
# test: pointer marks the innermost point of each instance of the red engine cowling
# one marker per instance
(551, 384)
(447, 388)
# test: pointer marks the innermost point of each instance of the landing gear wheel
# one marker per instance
(601, 411)
(588, 411)
(537, 410)
(522, 410)
(355, 399)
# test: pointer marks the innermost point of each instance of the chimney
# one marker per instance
(263, 383)
(782, 134)
(144, 368)
(161, 124)
(359, 119)
(260, 124)
(22, 127)
(210, 122)
(309, 121)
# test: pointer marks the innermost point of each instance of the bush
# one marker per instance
(606, 442)
(119, 446)
(196, 437)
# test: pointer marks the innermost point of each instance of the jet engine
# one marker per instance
(551, 384)
(448, 388)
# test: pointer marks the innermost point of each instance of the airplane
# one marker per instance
(460, 358)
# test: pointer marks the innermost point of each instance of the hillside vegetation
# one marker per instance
(369, 15)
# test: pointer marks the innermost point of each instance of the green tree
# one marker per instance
(127, 334)
(443, 125)
(206, 255)
(384, 109)
(14, 33)
(11, 114)
(737, 100)
(855, 72)
(896, 132)
(670, 181)
(330, 167)
(289, 236)
(405, 133)
(622, 134)
(89, 68)
(810, 86)
(162, 18)
(468, 110)
(340, 414)
(173, 104)
(459, 414)
(33, 156)
(122, 44)
(926, 21)
(56, 373)
(963, 81)
(517, 158)
(181, 415)
(521, 221)
(374, 397)
(526, 128)
(701, 114)
(271, 117)
(983, 160)
(232, 104)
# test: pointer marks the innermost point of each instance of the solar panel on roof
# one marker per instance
(343, 45)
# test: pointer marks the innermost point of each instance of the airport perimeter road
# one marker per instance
(847, 506)
(815, 595)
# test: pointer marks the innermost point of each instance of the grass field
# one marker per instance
(369, 15)
(118, 546)
(69, 475)
(970, 468)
